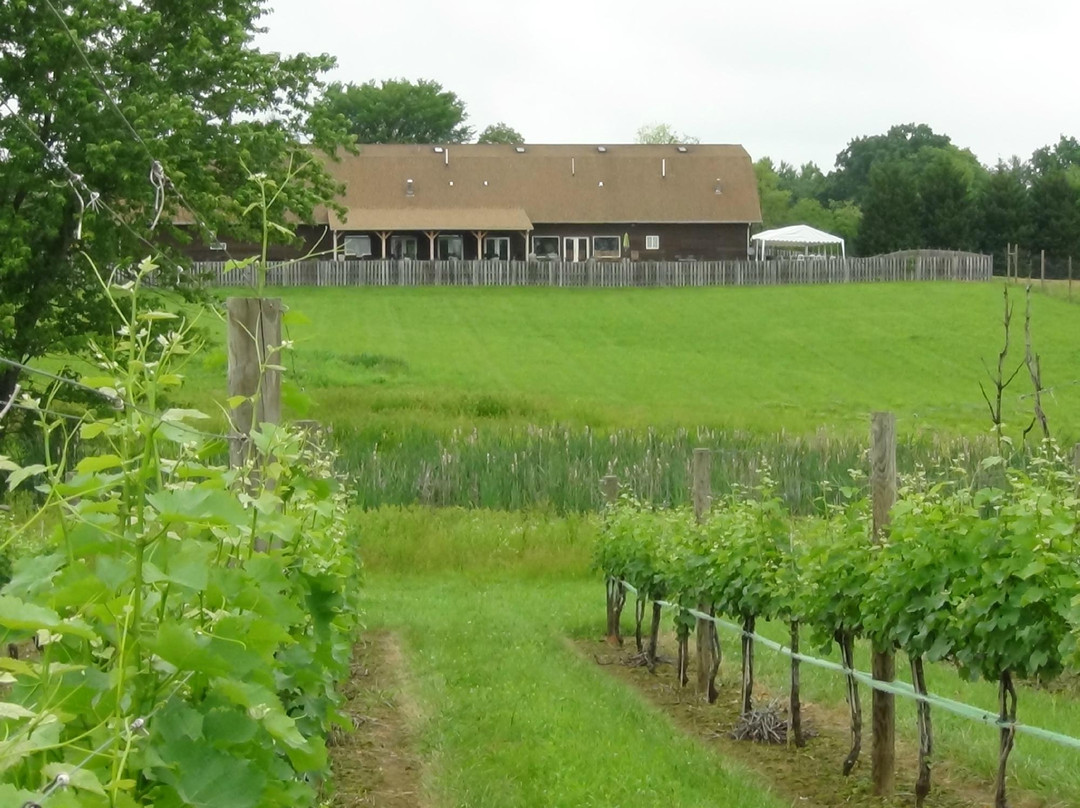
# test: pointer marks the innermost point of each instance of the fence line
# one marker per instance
(609, 274)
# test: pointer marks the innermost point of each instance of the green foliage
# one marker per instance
(396, 111)
(947, 204)
(891, 210)
(987, 578)
(1055, 209)
(661, 133)
(835, 575)
(219, 605)
(198, 92)
(855, 164)
(500, 133)
(793, 197)
(1004, 209)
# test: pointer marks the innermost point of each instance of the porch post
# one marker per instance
(383, 236)
(335, 245)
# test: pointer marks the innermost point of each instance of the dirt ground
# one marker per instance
(377, 764)
(806, 778)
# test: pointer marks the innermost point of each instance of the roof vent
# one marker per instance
(408, 187)
(601, 148)
(519, 149)
(681, 149)
(719, 188)
(451, 183)
(437, 149)
(485, 183)
(600, 184)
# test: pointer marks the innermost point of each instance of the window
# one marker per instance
(606, 246)
(218, 246)
(652, 242)
(497, 248)
(546, 247)
(357, 246)
(450, 248)
(403, 247)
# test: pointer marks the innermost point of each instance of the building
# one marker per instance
(575, 203)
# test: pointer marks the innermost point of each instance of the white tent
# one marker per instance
(796, 235)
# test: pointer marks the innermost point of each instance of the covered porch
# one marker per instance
(493, 234)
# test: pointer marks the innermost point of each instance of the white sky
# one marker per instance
(792, 79)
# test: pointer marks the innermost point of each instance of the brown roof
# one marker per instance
(432, 219)
(545, 184)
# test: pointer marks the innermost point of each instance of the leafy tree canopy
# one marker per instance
(891, 212)
(851, 179)
(206, 104)
(398, 111)
(500, 133)
(659, 133)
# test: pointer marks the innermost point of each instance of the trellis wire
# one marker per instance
(897, 688)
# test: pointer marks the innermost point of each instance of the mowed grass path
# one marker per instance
(796, 358)
(513, 716)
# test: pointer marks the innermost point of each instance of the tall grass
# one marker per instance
(559, 467)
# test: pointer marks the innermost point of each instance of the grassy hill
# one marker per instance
(799, 359)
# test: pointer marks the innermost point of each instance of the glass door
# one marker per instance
(497, 248)
(403, 247)
(576, 248)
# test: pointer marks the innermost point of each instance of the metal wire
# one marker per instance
(76, 181)
(897, 688)
(158, 177)
(115, 401)
(10, 402)
(63, 779)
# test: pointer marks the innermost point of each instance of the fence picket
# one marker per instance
(911, 266)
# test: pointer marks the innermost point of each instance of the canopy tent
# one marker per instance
(796, 235)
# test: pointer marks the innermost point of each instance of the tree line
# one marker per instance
(912, 188)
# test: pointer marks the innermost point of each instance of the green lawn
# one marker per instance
(795, 358)
(484, 602)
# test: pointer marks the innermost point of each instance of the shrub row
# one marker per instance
(987, 578)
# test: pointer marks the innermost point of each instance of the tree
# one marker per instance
(851, 178)
(1062, 156)
(1055, 206)
(891, 211)
(500, 133)
(775, 201)
(660, 133)
(203, 101)
(808, 182)
(947, 204)
(398, 111)
(1004, 210)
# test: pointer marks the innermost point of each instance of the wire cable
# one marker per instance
(158, 177)
(897, 688)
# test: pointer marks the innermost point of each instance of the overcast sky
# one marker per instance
(792, 79)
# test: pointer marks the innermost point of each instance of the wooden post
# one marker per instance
(1076, 466)
(1070, 279)
(610, 486)
(701, 490)
(1042, 270)
(706, 637)
(883, 487)
(254, 337)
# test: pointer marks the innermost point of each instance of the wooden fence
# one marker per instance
(609, 274)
